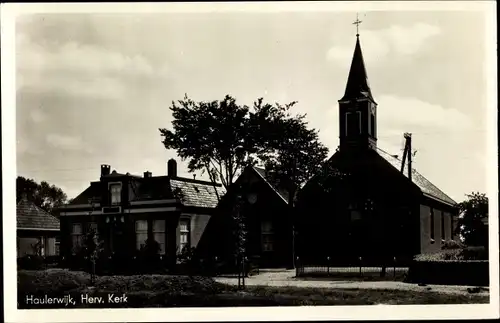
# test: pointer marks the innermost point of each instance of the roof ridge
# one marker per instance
(268, 183)
(195, 181)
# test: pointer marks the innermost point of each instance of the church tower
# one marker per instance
(357, 108)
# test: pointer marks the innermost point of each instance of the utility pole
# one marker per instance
(407, 153)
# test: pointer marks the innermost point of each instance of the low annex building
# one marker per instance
(37, 230)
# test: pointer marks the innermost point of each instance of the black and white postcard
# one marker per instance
(249, 161)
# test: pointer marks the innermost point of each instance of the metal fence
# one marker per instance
(392, 270)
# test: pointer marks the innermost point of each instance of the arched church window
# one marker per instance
(372, 124)
(432, 223)
(353, 123)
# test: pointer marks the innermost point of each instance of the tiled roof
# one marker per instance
(196, 194)
(30, 216)
(92, 192)
(193, 192)
(153, 188)
(423, 183)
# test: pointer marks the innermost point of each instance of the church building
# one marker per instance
(361, 203)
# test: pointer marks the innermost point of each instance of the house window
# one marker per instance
(41, 241)
(116, 193)
(443, 237)
(57, 245)
(432, 224)
(159, 234)
(267, 236)
(184, 234)
(353, 123)
(141, 233)
(452, 228)
(76, 237)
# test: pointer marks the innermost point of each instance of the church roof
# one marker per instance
(423, 183)
(357, 83)
(31, 217)
(344, 162)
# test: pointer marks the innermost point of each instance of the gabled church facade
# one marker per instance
(361, 204)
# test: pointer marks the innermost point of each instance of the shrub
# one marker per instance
(57, 281)
(475, 253)
(31, 262)
(468, 253)
(51, 281)
(450, 272)
(186, 255)
(452, 244)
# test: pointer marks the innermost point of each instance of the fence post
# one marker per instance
(328, 266)
(394, 267)
(360, 267)
(297, 267)
(243, 269)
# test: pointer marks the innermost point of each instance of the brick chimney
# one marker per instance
(172, 168)
(147, 174)
(105, 170)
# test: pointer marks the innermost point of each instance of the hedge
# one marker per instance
(468, 253)
(450, 272)
(35, 262)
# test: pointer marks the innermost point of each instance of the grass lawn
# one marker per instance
(183, 291)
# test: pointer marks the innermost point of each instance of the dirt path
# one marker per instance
(287, 278)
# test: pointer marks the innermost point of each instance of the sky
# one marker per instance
(93, 89)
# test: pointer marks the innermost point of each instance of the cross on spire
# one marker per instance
(357, 23)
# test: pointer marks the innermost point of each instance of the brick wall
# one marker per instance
(426, 245)
(447, 225)
(437, 228)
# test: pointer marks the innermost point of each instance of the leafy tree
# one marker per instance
(222, 138)
(295, 154)
(43, 195)
(470, 225)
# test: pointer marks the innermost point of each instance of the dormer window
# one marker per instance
(115, 190)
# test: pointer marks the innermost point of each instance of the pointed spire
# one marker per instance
(357, 82)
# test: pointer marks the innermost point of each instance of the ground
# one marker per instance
(286, 278)
(266, 289)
